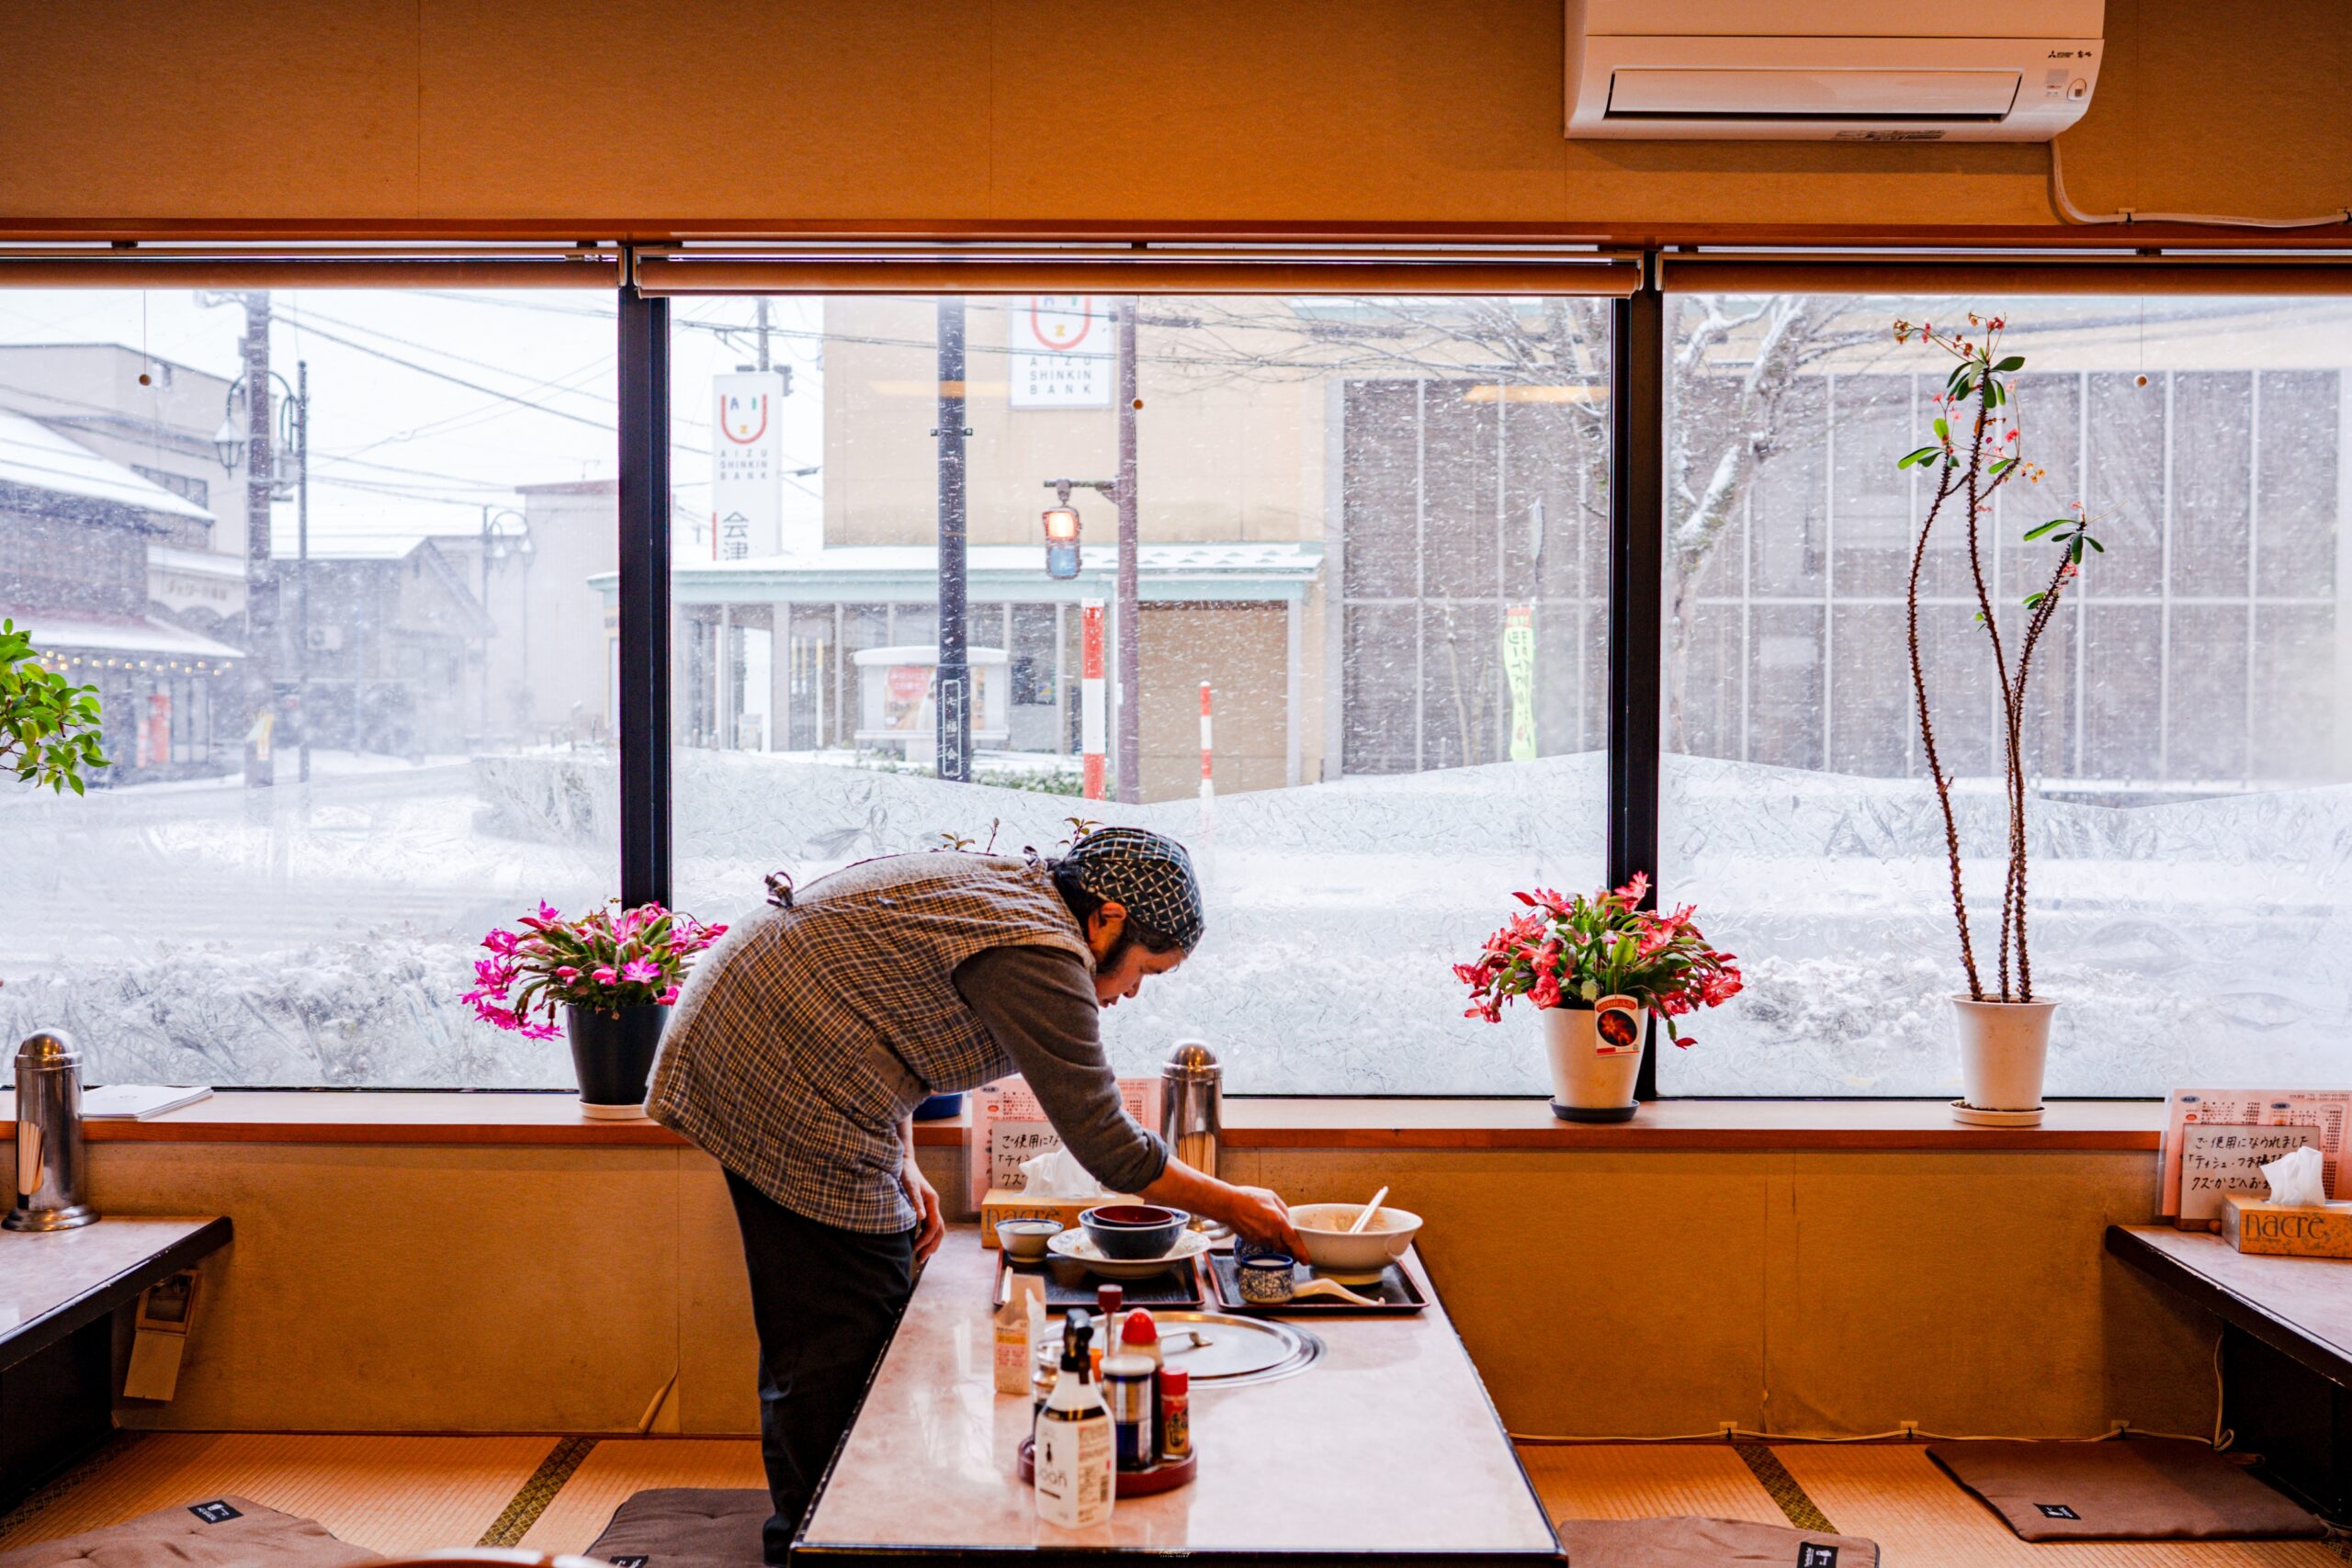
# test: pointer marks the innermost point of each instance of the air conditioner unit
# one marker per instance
(1831, 70)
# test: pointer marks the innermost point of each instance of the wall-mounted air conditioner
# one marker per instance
(1831, 70)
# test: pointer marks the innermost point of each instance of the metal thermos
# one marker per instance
(1191, 1110)
(50, 1168)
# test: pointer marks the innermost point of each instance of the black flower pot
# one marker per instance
(611, 1053)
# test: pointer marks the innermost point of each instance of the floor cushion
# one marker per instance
(687, 1526)
(212, 1533)
(1689, 1542)
(2128, 1489)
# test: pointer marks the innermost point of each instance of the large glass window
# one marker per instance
(357, 712)
(2187, 741)
(1346, 507)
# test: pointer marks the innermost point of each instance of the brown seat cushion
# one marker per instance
(2131, 1489)
(213, 1533)
(1689, 1542)
(687, 1526)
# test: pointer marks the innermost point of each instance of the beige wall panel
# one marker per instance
(734, 107)
(1376, 111)
(417, 1288)
(1610, 1295)
(146, 109)
(1974, 1294)
(717, 1349)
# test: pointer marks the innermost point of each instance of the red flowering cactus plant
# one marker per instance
(1570, 952)
(602, 960)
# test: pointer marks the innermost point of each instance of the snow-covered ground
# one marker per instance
(321, 933)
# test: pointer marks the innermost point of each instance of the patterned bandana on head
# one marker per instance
(1150, 874)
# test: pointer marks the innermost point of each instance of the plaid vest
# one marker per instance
(803, 1038)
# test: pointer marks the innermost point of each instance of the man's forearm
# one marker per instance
(1181, 1187)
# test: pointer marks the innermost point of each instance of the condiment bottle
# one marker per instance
(1175, 1414)
(1126, 1386)
(1013, 1352)
(1139, 1336)
(1075, 1455)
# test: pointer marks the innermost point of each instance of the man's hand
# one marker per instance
(1262, 1217)
(932, 1227)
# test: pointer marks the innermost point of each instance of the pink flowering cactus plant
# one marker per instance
(606, 959)
(1569, 953)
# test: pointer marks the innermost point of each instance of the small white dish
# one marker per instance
(1079, 1247)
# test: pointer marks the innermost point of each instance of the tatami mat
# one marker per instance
(1894, 1495)
(391, 1495)
(618, 1467)
(1598, 1481)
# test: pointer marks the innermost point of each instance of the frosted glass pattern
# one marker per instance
(1334, 913)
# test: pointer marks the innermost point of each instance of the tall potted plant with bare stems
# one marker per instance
(2004, 1028)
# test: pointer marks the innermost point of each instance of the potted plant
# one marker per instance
(1599, 965)
(613, 973)
(2005, 1029)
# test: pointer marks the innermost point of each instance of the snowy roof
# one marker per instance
(196, 563)
(84, 633)
(1215, 569)
(37, 457)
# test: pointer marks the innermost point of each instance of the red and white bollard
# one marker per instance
(1208, 784)
(1092, 728)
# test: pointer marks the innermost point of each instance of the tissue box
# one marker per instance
(2254, 1225)
(1004, 1204)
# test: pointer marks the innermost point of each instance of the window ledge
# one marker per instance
(522, 1118)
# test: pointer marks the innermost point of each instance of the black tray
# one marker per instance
(1395, 1291)
(1069, 1285)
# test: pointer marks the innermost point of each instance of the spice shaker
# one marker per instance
(1191, 1110)
(50, 1167)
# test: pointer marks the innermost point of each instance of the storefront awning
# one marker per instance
(1225, 572)
(141, 638)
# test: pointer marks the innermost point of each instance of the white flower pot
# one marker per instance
(1589, 1084)
(2004, 1047)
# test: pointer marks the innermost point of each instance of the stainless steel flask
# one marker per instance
(50, 1173)
(1191, 1110)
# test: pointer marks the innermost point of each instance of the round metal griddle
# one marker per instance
(1220, 1350)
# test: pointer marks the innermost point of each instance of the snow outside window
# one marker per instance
(1346, 506)
(2190, 742)
(338, 759)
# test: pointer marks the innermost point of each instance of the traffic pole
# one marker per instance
(1091, 725)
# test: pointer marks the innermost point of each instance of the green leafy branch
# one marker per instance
(48, 727)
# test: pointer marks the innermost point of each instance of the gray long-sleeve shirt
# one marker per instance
(1039, 1004)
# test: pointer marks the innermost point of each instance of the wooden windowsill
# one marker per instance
(517, 1118)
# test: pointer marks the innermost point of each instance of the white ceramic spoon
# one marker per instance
(1364, 1217)
(1308, 1288)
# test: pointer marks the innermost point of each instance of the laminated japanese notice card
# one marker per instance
(2218, 1159)
(2322, 1111)
(1009, 1126)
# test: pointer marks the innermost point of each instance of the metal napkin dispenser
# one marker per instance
(50, 1171)
(1192, 1108)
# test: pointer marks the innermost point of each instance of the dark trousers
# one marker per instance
(825, 1300)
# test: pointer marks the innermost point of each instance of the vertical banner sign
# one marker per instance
(1061, 353)
(746, 465)
(1519, 669)
(1208, 785)
(953, 697)
(1093, 729)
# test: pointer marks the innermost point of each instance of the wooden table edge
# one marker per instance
(29, 1338)
(2330, 1360)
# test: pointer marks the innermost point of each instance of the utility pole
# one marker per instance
(761, 306)
(954, 684)
(261, 578)
(303, 554)
(1128, 584)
